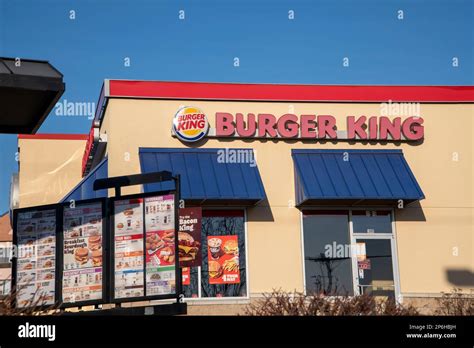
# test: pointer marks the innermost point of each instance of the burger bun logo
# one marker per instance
(190, 124)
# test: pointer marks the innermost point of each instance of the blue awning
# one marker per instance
(205, 177)
(353, 177)
(84, 190)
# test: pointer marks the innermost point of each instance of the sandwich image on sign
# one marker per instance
(231, 247)
(81, 255)
(95, 242)
(215, 270)
(96, 257)
(188, 247)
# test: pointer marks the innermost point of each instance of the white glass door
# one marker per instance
(375, 275)
(375, 264)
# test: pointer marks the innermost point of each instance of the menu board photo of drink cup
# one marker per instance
(128, 246)
(82, 253)
(189, 237)
(36, 258)
(160, 245)
(223, 259)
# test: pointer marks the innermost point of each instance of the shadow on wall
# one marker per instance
(412, 212)
(260, 212)
(460, 277)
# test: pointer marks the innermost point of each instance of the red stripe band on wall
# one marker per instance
(275, 92)
(54, 136)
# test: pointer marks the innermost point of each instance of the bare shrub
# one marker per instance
(279, 303)
(34, 307)
(455, 303)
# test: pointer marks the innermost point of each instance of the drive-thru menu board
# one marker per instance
(160, 245)
(127, 242)
(144, 247)
(35, 267)
(82, 253)
(128, 246)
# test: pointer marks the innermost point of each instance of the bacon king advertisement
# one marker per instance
(223, 259)
(189, 237)
(160, 245)
(82, 253)
(128, 245)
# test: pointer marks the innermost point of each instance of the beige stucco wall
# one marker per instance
(426, 234)
(49, 169)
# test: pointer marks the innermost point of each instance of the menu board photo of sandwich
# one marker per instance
(223, 259)
(160, 245)
(82, 253)
(36, 260)
(128, 246)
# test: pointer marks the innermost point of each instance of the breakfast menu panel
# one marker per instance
(82, 253)
(36, 238)
(160, 245)
(128, 245)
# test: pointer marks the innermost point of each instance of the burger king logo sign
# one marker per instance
(190, 124)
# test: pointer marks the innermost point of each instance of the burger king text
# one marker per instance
(265, 125)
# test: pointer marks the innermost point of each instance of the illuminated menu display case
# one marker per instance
(95, 251)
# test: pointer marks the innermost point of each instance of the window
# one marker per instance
(367, 221)
(219, 223)
(339, 260)
(327, 261)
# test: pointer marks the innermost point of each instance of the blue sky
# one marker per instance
(382, 49)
